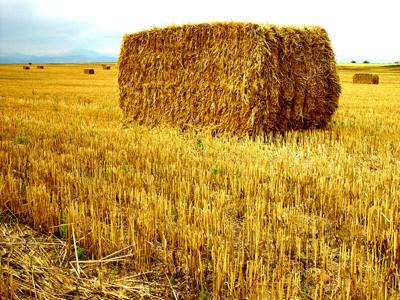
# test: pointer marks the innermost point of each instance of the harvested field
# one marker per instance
(366, 78)
(240, 78)
(155, 212)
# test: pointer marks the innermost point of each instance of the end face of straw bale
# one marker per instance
(88, 71)
(365, 78)
(240, 78)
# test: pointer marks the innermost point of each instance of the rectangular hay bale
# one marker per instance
(88, 71)
(240, 78)
(365, 78)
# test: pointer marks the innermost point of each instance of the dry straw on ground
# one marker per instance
(240, 78)
(34, 266)
(25, 67)
(366, 78)
(40, 67)
(88, 71)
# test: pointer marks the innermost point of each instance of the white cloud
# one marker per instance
(365, 28)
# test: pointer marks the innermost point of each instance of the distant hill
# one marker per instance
(71, 56)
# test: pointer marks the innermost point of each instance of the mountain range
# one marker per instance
(90, 56)
(71, 56)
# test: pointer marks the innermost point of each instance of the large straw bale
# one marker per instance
(25, 67)
(366, 78)
(88, 71)
(241, 78)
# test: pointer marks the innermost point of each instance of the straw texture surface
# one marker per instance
(240, 78)
(366, 78)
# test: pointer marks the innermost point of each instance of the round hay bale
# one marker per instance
(25, 67)
(88, 71)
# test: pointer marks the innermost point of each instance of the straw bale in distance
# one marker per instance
(25, 67)
(366, 78)
(240, 78)
(40, 67)
(29, 63)
(105, 67)
(88, 71)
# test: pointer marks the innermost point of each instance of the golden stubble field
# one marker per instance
(136, 212)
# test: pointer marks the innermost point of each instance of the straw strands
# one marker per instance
(37, 266)
(240, 78)
(88, 71)
(313, 214)
(366, 78)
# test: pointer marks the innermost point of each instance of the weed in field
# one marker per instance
(215, 170)
(199, 144)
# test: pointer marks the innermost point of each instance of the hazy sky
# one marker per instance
(358, 29)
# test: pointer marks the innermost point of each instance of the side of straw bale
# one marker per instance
(366, 78)
(241, 78)
(309, 84)
(88, 71)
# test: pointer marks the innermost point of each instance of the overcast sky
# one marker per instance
(359, 29)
